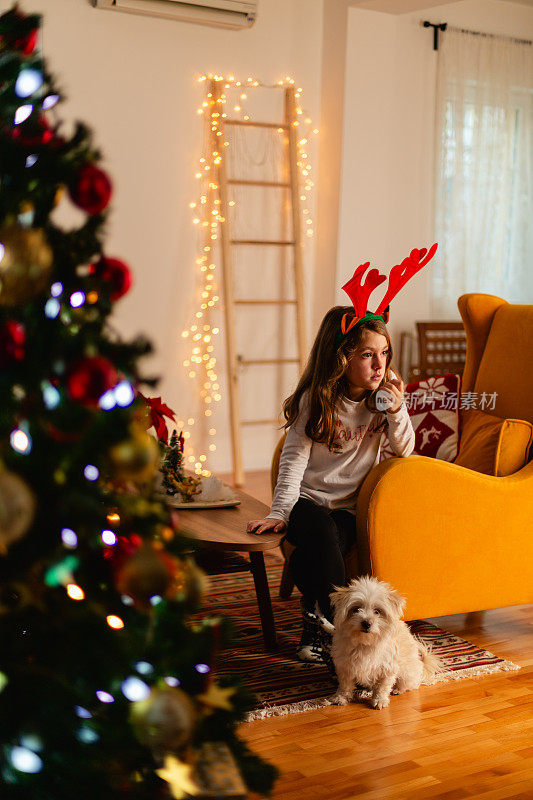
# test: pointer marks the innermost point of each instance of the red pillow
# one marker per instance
(433, 405)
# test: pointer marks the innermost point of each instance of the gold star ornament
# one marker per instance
(178, 775)
(217, 697)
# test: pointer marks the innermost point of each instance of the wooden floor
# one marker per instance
(462, 739)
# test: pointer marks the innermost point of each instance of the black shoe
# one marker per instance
(309, 648)
(325, 640)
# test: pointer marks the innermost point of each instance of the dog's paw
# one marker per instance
(399, 690)
(379, 701)
(339, 700)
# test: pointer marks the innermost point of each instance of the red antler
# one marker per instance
(359, 292)
(401, 273)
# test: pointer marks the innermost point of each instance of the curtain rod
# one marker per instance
(442, 26)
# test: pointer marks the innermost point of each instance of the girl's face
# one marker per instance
(366, 367)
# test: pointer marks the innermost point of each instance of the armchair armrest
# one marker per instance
(453, 540)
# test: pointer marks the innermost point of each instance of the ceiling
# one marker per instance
(405, 6)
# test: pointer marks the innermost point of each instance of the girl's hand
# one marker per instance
(394, 388)
(267, 524)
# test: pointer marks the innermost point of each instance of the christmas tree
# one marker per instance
(172, 467)
(106, 689)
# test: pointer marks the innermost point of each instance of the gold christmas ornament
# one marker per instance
(196, 583)
(17, 508)
(164, 721)
(144, 575)
(25, 264)
(136, 458)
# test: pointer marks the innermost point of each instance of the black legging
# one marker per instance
(322, 538)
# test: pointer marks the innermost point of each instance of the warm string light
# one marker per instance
(75, 592)
(201, 361)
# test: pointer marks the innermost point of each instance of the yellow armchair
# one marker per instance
(454, 540)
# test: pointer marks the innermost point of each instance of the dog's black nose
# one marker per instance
(365, 625)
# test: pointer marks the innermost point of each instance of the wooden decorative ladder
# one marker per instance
(224, 182)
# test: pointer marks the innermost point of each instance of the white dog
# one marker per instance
(372, 647)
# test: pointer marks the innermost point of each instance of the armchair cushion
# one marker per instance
(493, 445)
(433, 407)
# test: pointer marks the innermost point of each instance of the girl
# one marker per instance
(346, 402)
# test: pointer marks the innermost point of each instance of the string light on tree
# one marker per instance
(200, 362)
(114, 622)
(75, 592)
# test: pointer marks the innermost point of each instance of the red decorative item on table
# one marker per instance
(89, 378)
(114, 272)
(92, 190)
(158, 412)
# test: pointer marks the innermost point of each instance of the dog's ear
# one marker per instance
(397, 601)
(337, 595)
(340, 600)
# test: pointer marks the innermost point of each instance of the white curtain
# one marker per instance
(484, 191)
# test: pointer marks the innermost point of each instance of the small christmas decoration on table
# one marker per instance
(179, 487)
(175, 482)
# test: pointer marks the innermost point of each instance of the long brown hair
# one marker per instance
(324, 375)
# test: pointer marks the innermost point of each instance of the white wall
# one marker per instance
(387, 180)
(134, 80)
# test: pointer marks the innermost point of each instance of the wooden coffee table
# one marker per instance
(225, 529)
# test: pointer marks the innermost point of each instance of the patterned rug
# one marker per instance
(284, 685)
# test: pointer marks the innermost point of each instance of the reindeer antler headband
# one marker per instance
(359, 292)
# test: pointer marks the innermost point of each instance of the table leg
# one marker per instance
(257, 567)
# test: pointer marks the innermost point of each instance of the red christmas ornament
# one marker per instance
(12, 342)
(89, 378)
(66, 437)
(92, 190)
(119, 553)
(114, 272)
(33, 134)
(26, 43)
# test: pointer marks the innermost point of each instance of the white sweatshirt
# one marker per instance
(308, 469)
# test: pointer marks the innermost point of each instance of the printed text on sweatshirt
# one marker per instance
(310, 470)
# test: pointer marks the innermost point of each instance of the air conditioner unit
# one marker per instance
(234, 14)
